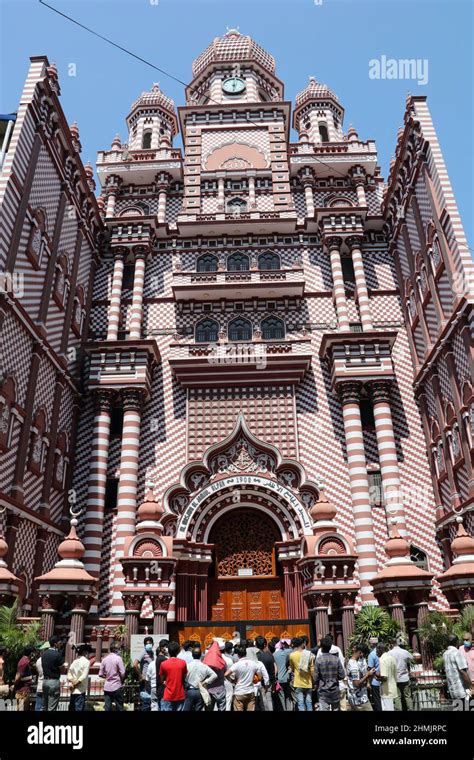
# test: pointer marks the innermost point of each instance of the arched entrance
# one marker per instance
(245, 578)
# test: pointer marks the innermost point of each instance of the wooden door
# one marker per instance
(247, 599)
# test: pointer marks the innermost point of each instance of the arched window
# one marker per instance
(238, 262)
(269, 260)
(207, 331)
(236, 206)
(418, 557)
(323, 132)
(61, 282)
(207, 263)
(240, 329)
(37, 240)
(7, 401)
(37, 446)
(78, 312)
(273, 328)
(60, 462)
(146, 140)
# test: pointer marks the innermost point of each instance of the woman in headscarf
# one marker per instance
(217, 691)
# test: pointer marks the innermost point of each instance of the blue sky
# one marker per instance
(334, 41)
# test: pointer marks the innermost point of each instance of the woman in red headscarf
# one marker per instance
(216, 662)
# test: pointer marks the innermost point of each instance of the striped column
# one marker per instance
(309, 196)
(137, 296)
(363, 525)
(127, 487)
(360, 190)
(251, 179)
(334, 247)
(116, 295)
(112, 189)
(354, 243)
(392, 488)
(163, 182)
(97, 483)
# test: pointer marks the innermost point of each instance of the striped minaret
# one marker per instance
(135, 328)
(334, 247)
(392, 489)
(94, 519)
(363, 526)
(354, 243)
(127, 487)
(116, 295)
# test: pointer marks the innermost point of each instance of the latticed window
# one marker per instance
(207, 331)
(375, 489)
(419, 558)
(207, 263)
(240, 329)
(244, 543)
(237, 206)
(273, 328)
(238, 262)
(269, 260)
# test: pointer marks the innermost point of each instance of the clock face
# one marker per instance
(233, 85)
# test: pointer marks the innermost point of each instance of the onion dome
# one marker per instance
(463, 544)
(323, 509)
(69, 568)
(154, 98)
(399, 565)
(150, 512)
(231, 48)
(314, 90)
(457, 582)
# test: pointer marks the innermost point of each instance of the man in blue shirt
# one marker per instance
(374, 662)
(282, 658)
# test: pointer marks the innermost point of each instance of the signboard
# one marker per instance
(245, 571)
(136, 643)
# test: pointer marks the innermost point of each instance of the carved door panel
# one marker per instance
(259, 599)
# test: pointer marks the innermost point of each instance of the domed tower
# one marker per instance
(318, 115)
(152, 121)
(234, 69)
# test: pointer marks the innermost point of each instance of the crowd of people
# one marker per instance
(239, 675)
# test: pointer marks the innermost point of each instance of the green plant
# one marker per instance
(15, 636)
(434, 633)
(465, 622)
(373, 621)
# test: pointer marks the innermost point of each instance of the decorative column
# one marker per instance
(112, 188)
(116, 294)
(220, 193)
(308, 184)
(81, 605)
(359, 178)
(161, 603)
(132, 603)
(392, 488)
(127, 487)
(252, 202)
(137, 296)
(163, 182)
(334, 246)
(94, 518)
(354, 244)
(320, 605)
(348, 618)
(396, 607)
(48, 612)
(357, 465)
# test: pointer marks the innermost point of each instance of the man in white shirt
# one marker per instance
(229, 688)
(78, 676)
(39, 684)
(243, 671)
(186, 651)
(198, 674)
(403, 658)
(457, 670)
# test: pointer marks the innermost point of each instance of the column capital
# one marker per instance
(349, 392)
(132, 602)
(163, 181)
(332, 242)
(380, 390)
(113, 183)
(306, 176)
(103, 399)
(120, 252)
(319, 600)
(358, 174)
(161, 602)
(141, 251)
(354, 241)
(133, 399)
